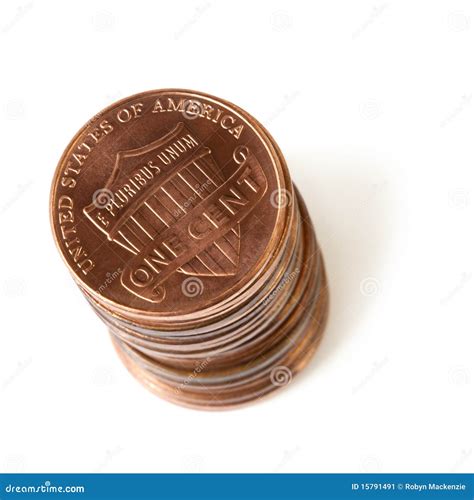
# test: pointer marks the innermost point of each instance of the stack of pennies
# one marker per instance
(176, 215)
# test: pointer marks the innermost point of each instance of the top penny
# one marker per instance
(168, 202)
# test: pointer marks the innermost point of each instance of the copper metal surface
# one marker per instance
(177, 218)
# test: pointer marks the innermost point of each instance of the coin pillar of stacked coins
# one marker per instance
(176, 215)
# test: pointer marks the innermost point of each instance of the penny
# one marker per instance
(176, 215)
(158, 192)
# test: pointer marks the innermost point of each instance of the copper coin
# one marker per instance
(168, 189)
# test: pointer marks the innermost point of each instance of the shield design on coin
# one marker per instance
(152, 189)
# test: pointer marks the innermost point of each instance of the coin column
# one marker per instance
(183, 230)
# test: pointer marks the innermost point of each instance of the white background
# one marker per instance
(371, 103)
